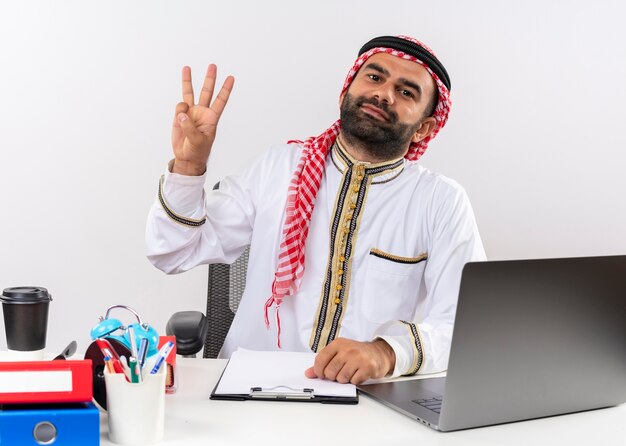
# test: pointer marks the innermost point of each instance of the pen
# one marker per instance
(126, 369)
(138, 373)
(133, 341)
(117, 365)
(109, 352)
(109, 364)
(143, 351)
(104, 344)
(162, 356)
(135, 377)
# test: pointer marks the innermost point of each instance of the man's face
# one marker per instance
(384, 106)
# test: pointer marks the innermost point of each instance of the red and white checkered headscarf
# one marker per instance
(307, 178)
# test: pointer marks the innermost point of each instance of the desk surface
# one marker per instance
(191, 418)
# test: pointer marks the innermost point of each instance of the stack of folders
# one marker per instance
(48, 402)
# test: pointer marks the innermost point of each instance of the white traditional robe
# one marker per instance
(386, 246)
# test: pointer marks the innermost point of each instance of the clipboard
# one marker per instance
(277, 376)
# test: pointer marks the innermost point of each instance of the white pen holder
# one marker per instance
(136, 411)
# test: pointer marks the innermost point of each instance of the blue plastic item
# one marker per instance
(58, 425)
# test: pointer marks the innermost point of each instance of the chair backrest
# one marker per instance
(226, 285)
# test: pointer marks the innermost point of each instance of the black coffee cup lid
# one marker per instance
(25, 294)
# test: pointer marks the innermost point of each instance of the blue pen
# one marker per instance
(162, 356)
(143, 350)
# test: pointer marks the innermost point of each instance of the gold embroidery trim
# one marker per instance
(173, 215)
(335, 260)
(388, 170)
(418, 348)
(337, 297)
(355, 234)
(394, 258)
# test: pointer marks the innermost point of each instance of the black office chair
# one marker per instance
(192, 329)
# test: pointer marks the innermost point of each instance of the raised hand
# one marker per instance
(195, 125)
(348, 361)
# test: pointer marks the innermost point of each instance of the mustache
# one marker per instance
(393, 117)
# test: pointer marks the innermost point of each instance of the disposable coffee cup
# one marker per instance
(26, 321)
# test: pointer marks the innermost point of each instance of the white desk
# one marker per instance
(193, 419)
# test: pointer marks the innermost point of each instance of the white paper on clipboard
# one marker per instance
(276, 372)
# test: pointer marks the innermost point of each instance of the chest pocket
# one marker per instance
(391, 285)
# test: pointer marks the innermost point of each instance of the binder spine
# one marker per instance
(68, 381)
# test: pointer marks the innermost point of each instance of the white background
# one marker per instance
(88, 90)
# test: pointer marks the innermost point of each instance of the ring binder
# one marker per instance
(274, 392)
(38, 382)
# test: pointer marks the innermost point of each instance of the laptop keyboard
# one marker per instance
(433, 404)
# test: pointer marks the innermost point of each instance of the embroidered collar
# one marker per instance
(383, 172)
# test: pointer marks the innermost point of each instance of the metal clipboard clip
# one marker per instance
(281, 393)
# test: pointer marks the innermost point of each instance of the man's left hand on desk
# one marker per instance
(349, 361)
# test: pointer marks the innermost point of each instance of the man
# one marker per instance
(355, 248)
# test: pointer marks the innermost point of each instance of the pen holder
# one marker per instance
(136, 411)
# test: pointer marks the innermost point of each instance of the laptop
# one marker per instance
(531, 339)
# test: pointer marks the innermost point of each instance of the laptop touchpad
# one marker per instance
(435, 385)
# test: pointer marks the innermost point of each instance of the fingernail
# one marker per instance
(182, 117)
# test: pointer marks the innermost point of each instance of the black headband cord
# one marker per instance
(412, 49)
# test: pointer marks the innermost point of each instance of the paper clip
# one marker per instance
(275, 393)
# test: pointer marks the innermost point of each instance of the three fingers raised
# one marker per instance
(208, 88)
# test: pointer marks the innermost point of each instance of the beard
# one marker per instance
(383, 140)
